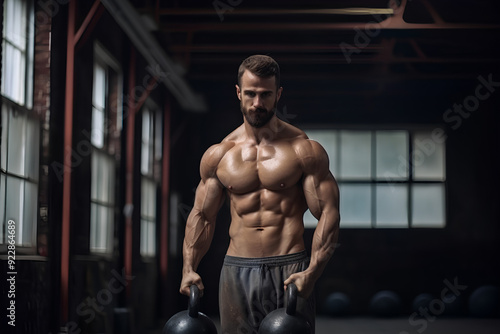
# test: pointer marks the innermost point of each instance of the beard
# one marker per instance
(258, 117)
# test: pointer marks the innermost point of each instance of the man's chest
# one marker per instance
(246, 168)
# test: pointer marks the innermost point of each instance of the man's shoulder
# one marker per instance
(310, 152)
(307, 144)
(216, 152)
(302, 144)
(213, 155)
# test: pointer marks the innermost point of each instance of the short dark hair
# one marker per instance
(262, 66)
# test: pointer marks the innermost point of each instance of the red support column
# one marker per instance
(73, 39)
(68, 143)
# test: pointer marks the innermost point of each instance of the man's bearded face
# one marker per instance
(258, 117)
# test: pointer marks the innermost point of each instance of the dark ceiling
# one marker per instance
(336, 57)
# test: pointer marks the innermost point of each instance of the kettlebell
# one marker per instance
(190, 321)
(286, 320)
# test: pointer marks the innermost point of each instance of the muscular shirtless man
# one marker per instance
(271, 173)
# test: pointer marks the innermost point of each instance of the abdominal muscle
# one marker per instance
(266, 223)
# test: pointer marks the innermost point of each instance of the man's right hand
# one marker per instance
(189, 279)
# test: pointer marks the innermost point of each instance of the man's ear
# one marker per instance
(238, 92)
(278, 93)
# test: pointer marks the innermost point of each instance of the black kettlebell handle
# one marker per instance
(194, 301)
(291, 307)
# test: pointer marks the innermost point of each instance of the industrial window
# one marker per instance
(151, 155)
(17, 52)
(20, 129)
(387, 178)
(106, 125)
(19, 175)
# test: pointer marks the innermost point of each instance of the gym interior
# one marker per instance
(108, 106)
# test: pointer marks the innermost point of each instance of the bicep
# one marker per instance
(209, 197)
(320, 188)
(321, 193)
(210, 192)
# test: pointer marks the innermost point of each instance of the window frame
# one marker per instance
(373, 180)
(103, 58)
(29, 56)
(22, 108)
(153, 174)
(26, 177)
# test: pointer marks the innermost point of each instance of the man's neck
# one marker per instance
(267, 133)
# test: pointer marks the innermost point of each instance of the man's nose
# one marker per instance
(257, 102)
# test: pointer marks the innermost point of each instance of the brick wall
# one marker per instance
(41, 107)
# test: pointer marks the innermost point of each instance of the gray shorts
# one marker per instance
(251, 288)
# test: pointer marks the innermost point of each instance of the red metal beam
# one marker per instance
(90, 20)
(72, 39)
(145, 94)
(432, 11)
(68, 143)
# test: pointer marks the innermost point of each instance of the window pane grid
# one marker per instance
(148, 241)
(428, 204)
(398, 182)
(102, 201)
(148, 199)
(19, 174)
(428, 157)
(99, 89)
(101, 228)
(148, 143)
(99, 115)
(355, 155)
(103, 164)
(21, 206)
(13, 79)
(103, 178)
(15, 29)
(151, 154)
(17, 45)
(98, 127)
(148, 216)
(16, 144)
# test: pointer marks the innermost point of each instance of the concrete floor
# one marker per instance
(325, 325)
(403, 326)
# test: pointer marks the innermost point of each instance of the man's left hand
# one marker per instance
(304, 282)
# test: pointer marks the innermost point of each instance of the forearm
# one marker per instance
(197, 240)
(324, 243)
